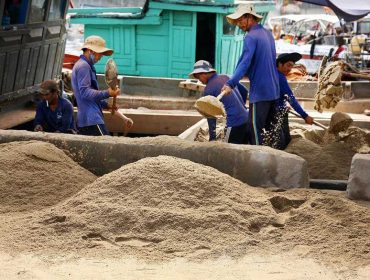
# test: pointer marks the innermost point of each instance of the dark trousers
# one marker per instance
(237, 134)
(261, 117)
(285, 134)
(94, 130)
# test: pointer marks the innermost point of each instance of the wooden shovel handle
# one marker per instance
(356, 75)
(222, 94)
(315, 122)
(114, 104)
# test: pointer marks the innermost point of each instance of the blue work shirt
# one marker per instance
(236, 112)
(61, 119)
(90, 100)
(286, 94)
(258, 63)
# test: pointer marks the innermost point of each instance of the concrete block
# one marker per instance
(254, 165)
(359, 177)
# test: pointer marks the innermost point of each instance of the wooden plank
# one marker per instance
(41, 65)
(156, 103)
(2, 70)
(58, 60)
(32, 66)
(22, 69)
(10, 71)
(50, 61)
(16, 117)
(154, 122)
(190, 85)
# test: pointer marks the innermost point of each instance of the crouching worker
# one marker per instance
(54, 113)
(236, 112)
(285, 63)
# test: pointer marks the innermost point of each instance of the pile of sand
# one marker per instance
(331, 161)
(35, 174)
(161, 206)
(329, 155)
(165, 207)
(203, 133)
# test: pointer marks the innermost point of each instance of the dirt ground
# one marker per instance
(278, 267)
(166, 218)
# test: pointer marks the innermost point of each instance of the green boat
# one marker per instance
(165, 38)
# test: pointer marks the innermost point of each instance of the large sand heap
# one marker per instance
(166, 207)
(329, 155)
(36, 174)
(160, 206)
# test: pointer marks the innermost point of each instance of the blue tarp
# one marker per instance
(349, 10)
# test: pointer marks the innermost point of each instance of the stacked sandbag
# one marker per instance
(330, 90)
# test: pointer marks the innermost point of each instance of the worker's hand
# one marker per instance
(114, 92)
(128, 122)
(38, 128)
(309, 120)
(226, 89)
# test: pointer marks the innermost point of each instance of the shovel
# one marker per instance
(210, 106)
(111, 78)
(314, 122)
(357, 75)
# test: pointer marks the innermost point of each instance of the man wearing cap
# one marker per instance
(257, 62)
(285, 63)
(90, 100)
(54, 113)
(236, 112)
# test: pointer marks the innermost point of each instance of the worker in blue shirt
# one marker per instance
(54, 113)
(236, 112)
(90, 100)
(257, 62)
(285, 63)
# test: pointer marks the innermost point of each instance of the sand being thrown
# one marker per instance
(165, 207)
(329, 155)
(37, 174)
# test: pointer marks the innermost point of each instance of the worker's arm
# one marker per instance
(288, 94)
(244, 62)
(128, 123)
(84, 85)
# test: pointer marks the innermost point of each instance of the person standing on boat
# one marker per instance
(90, 100)
(257, 62)
(54, 113)
(236, 112)
(285, 63)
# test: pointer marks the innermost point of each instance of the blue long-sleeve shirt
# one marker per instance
(286, 94)
(90, 100)
(236, 112)
(61, 119)
(258, 63)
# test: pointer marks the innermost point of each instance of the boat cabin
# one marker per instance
(164, 38)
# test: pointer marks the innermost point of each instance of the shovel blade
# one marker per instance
(210, 106)
(111, 73)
